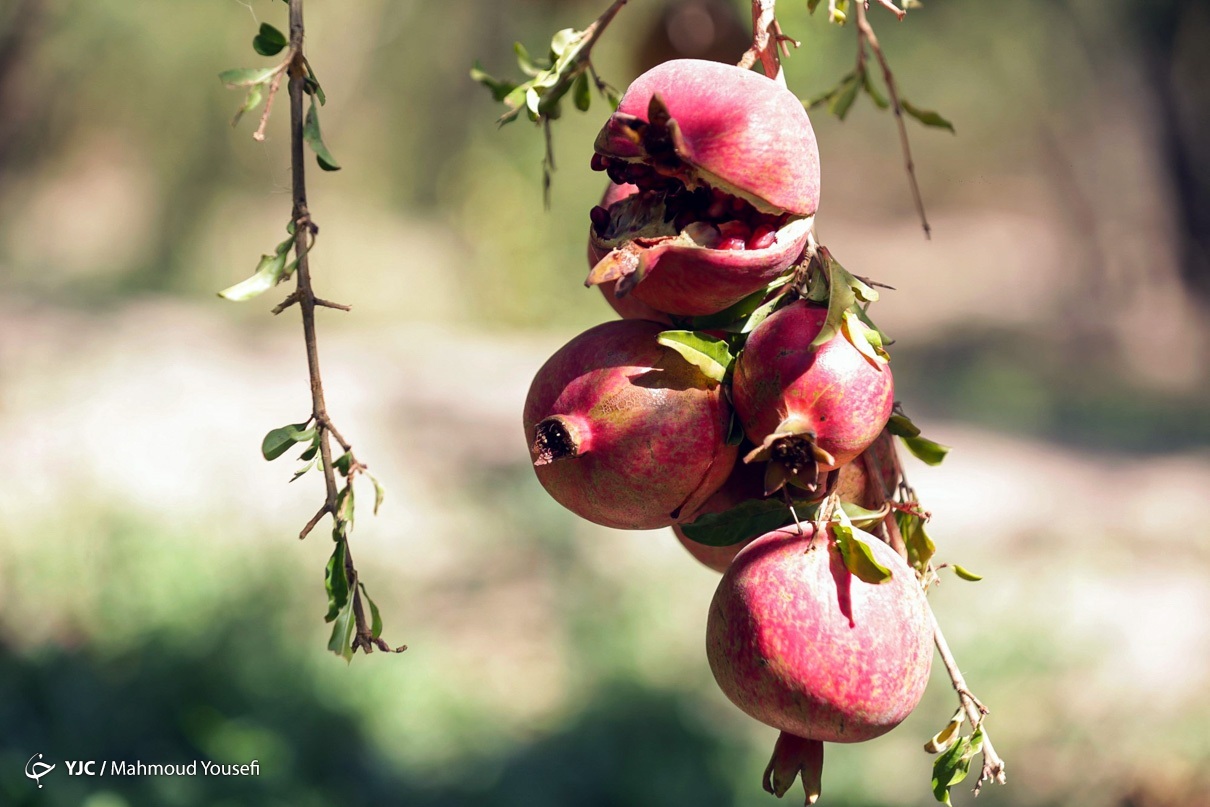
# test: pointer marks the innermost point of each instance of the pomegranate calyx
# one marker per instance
(794, 757)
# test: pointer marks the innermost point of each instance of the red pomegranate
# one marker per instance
(800, 644)
(623, 431)
(807, 409)
(728, 175)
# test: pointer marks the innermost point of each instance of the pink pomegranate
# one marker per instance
(747, 481)
(807, 409)
(800, 644)
(623, 431)
(728, 175)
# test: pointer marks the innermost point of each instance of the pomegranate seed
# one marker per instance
(762, 237)
(599, 217)
(731, 243)
(735, 229)
(599, 163)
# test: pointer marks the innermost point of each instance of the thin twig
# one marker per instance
(993, 765)
(768, 42)
(865, 35)
(259, 134)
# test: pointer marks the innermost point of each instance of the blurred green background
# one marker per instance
(155, 605)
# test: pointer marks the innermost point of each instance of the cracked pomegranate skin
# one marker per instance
(742, 132)
(651, 429)
(835, 389)
(801, 645)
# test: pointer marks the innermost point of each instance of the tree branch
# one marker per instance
(865, 35)
(304, 296)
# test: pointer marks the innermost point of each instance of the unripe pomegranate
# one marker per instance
(747, 482)
(623, 431)
(728, 175)
(807, 409)
(800, 644)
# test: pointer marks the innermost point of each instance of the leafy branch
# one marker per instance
(567, 68)
(347, 596)
(840, 98)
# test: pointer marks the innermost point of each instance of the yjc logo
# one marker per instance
(36, 770)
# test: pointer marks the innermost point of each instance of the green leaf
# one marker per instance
(860, 516)
(966, 574)
(344, 509)
(812, 5)
(342, 463)
(379, 491)
(269, 272)
(256, 94)
(336, 581)
(840, 298)
(919, 545)
(952, 766)
(269, 41)
(375, 616)
(901, 425)
(745, 521)
(735, 430)
(878, 98)
(927, 117)
(707, 353)
(499, 89)
(315, 140)
(247, 76)
(581, 92)
(341, 640)
(845, 96)
(858, 557)
(312, 84)
(926, 450)
(302, 470)
(278, 441)
(945, 738)
(528, 66)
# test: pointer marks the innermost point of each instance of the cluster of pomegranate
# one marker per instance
(732, 399)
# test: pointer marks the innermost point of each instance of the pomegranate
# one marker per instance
(800, 644)
(807, 409)
(623, 431)
(727, 169)
(626, 306)
(747, 482)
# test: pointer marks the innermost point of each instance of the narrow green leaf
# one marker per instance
(952, 766)
(966, 574)
(707, 353)
(342, 462)
(268, 274)
(860, 516)
(341, 640)
(745, 521)
(278, 441)
(379, 491)
(528, 66)
(499, 89)
(312, 84)
(943, 739)
(564, 40)
(927, 117)
(735, 430)
(901, 425)
(269, 41)
(344, 508)
(302, 470)
(375, 616)
(256, 94)
(858, 557)
(919, 545)
(926, 450)
(336, 582)
(246, 76)
(840, 299)
(581, 92)
(315, 140)
(845, 96)
(878, 98)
